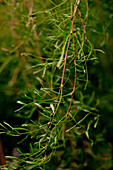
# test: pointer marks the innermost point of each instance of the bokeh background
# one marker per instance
(14, 80)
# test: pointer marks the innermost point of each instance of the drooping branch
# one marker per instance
(65, 60)
(83, 24)
(66, 55)
(75, 70)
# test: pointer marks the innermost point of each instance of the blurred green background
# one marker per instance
(14, 80)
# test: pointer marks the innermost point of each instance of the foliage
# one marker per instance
(47, 59)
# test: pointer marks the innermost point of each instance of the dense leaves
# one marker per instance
(56, 70)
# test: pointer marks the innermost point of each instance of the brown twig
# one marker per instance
(2, 156)
(65, 59)
(30, 12)
(75, 71)
(83, 24)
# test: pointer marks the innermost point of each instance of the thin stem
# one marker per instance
(65, 59)
(83, 24)
(30, 12)
(75, 70)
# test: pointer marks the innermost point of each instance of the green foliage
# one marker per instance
(47, 60)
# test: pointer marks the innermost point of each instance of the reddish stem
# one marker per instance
(75, 71)
(65, 59)
(83, 24)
